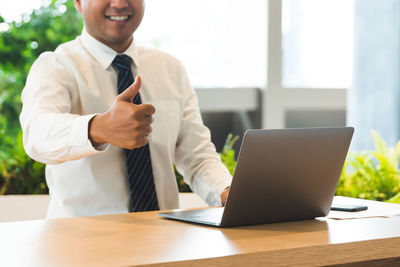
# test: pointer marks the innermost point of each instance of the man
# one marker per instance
(110, 144)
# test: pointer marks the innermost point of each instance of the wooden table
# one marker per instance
(144, 238)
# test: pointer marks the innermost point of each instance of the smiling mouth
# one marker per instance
(118, 18)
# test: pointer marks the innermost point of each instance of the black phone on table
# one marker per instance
(349, 208)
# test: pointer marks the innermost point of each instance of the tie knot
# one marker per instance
(122, 62)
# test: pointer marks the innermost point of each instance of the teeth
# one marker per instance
(119, 18)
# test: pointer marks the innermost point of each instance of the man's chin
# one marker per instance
(118, 41)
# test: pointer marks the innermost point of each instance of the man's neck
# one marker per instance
(120, 47)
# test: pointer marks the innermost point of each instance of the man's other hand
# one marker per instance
(125, 125)
(224, 196)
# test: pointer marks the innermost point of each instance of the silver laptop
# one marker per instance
(281, 175)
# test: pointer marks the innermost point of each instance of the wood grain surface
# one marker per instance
(144, 238)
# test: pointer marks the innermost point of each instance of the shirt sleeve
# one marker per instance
(195, 156)
(52, 134)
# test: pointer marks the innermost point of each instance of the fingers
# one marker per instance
(143, 113)
(129, 94)
(144, 140)
(149, 119)
(138, 142)
(147, 109)
(139, 137)
(144, 130)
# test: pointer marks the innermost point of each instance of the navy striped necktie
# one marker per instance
(143, 195)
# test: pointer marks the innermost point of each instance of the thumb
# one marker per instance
(131, 91)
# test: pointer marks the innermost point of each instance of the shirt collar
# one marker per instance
(104, 54)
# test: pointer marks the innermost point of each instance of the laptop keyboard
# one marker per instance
(212, 215)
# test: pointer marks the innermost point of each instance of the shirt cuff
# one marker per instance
(80, 134)
(222, 187)
(214, 198)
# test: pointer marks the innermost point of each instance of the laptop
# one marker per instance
(281, 175)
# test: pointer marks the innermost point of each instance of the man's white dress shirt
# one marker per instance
(67, 87)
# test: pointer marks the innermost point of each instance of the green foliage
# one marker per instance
(182, 186)
(43, 30)
(372, 175)
(228, 153)
(16, 167)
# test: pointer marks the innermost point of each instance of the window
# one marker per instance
(317, 43)
(222, 43)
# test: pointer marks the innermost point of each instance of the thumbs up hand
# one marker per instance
(125, 124)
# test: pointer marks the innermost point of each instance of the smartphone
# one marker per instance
(349, 208)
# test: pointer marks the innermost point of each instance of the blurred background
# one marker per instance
(254, 64)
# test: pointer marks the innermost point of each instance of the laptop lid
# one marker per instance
(282, 175)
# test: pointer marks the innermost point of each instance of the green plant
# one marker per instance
(182, 186)
(372, 175)
(43, 30)
(16, 167)
(228, 153)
